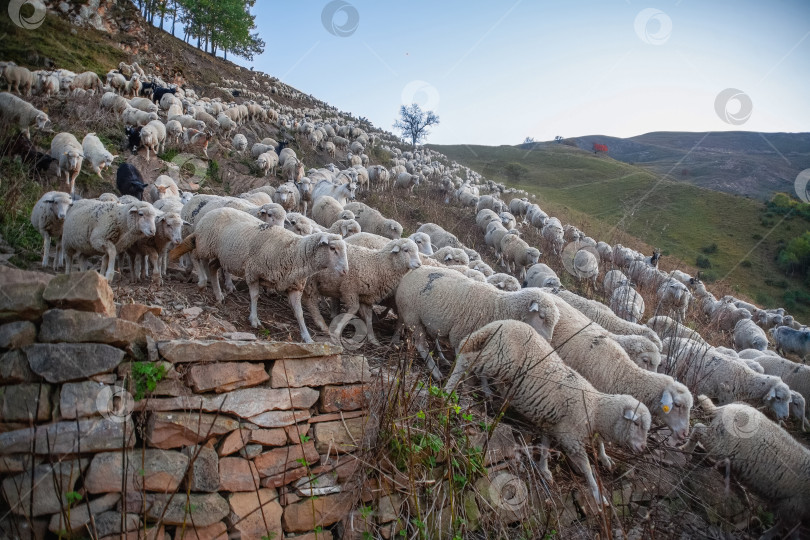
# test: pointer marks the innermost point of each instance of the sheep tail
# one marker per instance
(188, 244)
(707, 405)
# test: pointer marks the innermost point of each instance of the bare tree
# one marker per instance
(413, 122)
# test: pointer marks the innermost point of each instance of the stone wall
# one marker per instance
(230, 423)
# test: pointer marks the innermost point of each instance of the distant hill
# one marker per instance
(743, 163)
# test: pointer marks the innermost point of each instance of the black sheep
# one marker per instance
(133, 138)
(158, 92)
(129, 181)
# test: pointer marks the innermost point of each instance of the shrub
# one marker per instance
(711, 248)
(746, 264)
(703, 262)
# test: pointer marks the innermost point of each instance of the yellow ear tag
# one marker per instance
(665, 408)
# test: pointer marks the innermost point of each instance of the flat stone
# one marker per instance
(17, 463)
(501, 445)
(72, 326)
(335, 369)
(204, 474)
(85, 291)
(25, 402)
(268, 437)
(62, 362)
(14, 368)
(23, 528)
(201, 509)
(250, 451)
(154, 470)
(344, 398)
(216, 531)
(238, 474)
(135, 312)
(18, 334)
(224, 377)
(256, 515)
(152, 533)
(176, 429)
(21, 296)
(192, 312)
(342, 436)
(179, 351)
(295, 431)
(247, 403)
(318, 483)
(109, 523)
(90, 435)
(305, 515)
(234, 441)
(275, 419)
(323, 535)
(17, 441)
(79, 399)
(79, 516)
(239, 336)
(285, 478)
(156, 328)
(388, 508)
(331, 417)
(44, 479)
(278, 460)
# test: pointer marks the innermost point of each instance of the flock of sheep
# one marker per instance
(573, 366)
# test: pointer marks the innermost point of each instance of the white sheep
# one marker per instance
(439, 237)
(588, 348)
(15, 110)
(162, 187)
(257, 197)
(346, 228)
(174, 130)
(143, 104)
(762, 455)
(518, 255)
(790, 340)
(422, 241)
(552, 233)
(288, 196)
(155, 249)
(96, 154)
(448, 255)
(468, 272)
(373, 221)
(19, 78)
(613, 279)
(153, 137)
(65, 148)
(552, 396)
(285, 154)
(796, 376)
(93, 227)
(673, 295)
(239, 143)
(428, 298)
(327, 210)
(640, 349)
(666, 327)
(484, 217)
(627, 303)
(300, 224)
(342, 193)
(406, 181)
(747, 335)
(136, 117)
(373, 276)
(267, 162)
(48, 217)
(271, 256)
(292, 170)
(504, 282)
(540, 275)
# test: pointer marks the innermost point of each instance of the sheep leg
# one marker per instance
(311, 302)
(213, 272)
(110, 249)
(254, 288)
(603, 457)
(424, 351)
(46, 250)
(542, 463)
(367, 313)
(579, 459)
(229, 286)
(295, 303)
(156, 270)
(694, 438)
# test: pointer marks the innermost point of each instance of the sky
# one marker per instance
(500, 71)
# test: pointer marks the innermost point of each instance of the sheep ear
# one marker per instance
(395, 249)
(324, 239)
(771, 394)
(534, 307)
(631, 415)
(186, 223)
(133, 209)
(666, 402)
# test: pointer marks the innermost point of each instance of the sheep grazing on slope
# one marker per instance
(66, 149)
(422, 241)
(796, 376)
(519, 256)
(373, 276)
(153, 137)
(789, 340)
(641, 350)
(552, 233)
(15, 110)
(449, 255)
(485, 217)
(288, 196)
(673, 295)
(439, 237)
(666, 327)
(19, 78)
(627, 303)
(428, 298)
(327, 210)
(95, 153)
(552, 396)
(48, 217)
(747, 335)
(263, 255)
(168, 233)
(373, 221)
(504, 282)
(93, 227)
(193, 137)
(162, 187)
(762, 456)
(588, 348)
(614, 279)
(239, 143)
(540, 275)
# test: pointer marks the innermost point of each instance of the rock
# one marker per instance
(251, 451)
(80, 399)
(336, 369)
(179, 351)
(135, 312)
(344, 398)
(172, 429)
(501, 445)
(21, 296)
(46, 499)
(17, 441)
(323, 535)
(285, 478)
(224, 377)
(234, 441)
(90, 435)
(268, 437)
(14, 368)
(278, 460)
(216, 531)
(79, 516)
(72, 326)
(18, 334)
(17, 463)
(295, 431)
(248, 403)
(305, 515)
(155, 470)
(109, 523)
(238, 474)
(274, 419)
(151, 533)
(192, 312)
(239, 336)
(25, 403)
(205, 469)
(342, 436)
(201, 509)
(256, 515)
(85, 291)
(62, 362)
(156, 328)
(318, 484)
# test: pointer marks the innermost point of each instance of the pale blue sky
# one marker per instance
(497, 72)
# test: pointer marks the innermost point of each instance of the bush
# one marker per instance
(756, 236)
(703, 262)
(778, 283)
(712, 248)
(746, 264)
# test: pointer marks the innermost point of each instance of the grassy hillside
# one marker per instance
(618, 202)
